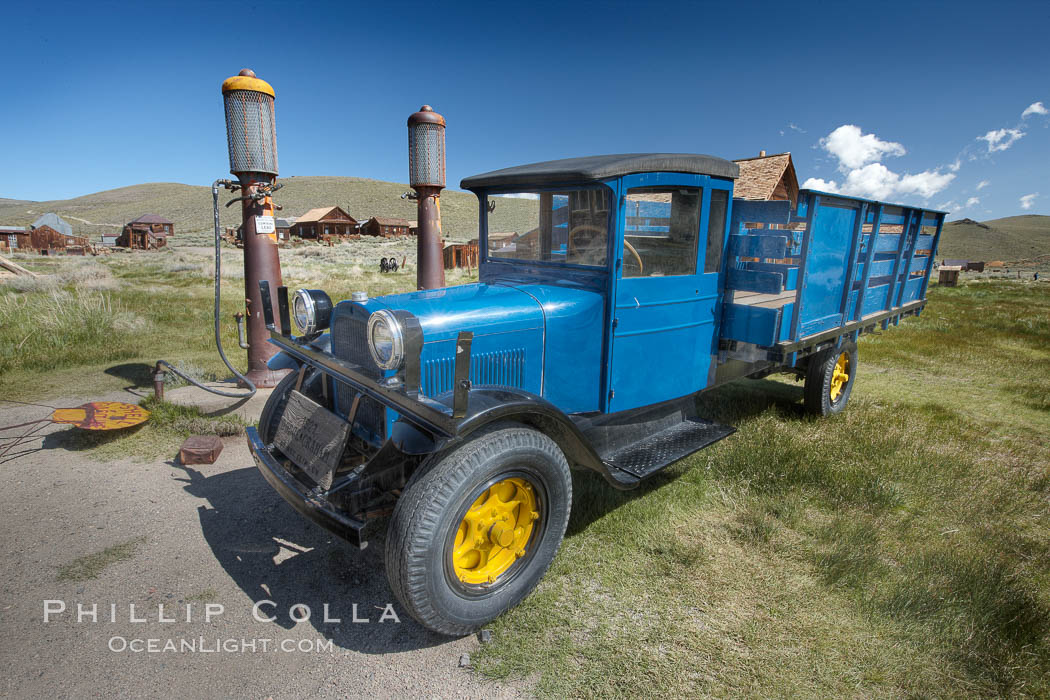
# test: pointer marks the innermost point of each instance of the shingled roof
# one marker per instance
(767, 177)
(323, 213)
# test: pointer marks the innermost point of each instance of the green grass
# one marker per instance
(898, 549)
(99, 325)
(91, 566)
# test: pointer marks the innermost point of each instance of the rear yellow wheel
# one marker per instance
(839, 377)
(495, 531)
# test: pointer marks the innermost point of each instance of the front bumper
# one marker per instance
(302, 497)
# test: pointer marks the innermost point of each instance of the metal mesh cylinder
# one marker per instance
(251, 132)
(426, 149)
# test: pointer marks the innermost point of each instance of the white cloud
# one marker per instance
(1034, 108)
(520, 195)
(855, 149)
(947, 206)
(858, 157)
(954, 167)
(876, 181)
(982, 184)
(1028, 200)
(1001, 139)
(796, 127)
(817, 183)
(973, 201)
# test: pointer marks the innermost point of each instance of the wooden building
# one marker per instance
(148, 232)
(54, 222)
(458, 255)
(42, 239)
(322, 222)
(767, 178)
(385, 227)
(284, 228)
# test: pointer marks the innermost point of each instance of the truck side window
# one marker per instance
(571, 226)
(660, 231)
(716, 230)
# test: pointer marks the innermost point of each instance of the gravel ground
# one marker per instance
(206, 535)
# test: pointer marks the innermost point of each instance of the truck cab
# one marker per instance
(611, 290)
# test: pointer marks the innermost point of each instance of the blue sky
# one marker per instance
(889, 100)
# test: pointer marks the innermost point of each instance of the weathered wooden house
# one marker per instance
(767, 178)
(55, 223)
(322, 222)
(9, 236)
(458, 255)
(42, 238)
(284, 228)
(385, 226)
(147, 232)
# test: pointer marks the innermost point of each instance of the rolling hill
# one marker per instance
(189, 206)
(1009, 239)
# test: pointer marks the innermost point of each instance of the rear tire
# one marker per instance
(829, 379)
(457, 554)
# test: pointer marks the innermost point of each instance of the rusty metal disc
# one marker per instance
(101, 415)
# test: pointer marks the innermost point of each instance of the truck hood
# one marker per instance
(483, 309)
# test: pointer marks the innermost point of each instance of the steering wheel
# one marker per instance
(600, 231)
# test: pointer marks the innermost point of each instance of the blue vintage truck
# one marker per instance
(612, 289)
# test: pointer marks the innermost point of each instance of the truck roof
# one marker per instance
(554, 172)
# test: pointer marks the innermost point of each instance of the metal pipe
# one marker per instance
(430, 267)
(239, 318)
(261, 262)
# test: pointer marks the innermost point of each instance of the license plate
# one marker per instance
(312, 437)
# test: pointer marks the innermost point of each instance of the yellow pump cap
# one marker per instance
(246, 80)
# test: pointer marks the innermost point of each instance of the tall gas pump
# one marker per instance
(251, 132)
(426, 175)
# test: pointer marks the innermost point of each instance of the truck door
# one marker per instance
(670, 238)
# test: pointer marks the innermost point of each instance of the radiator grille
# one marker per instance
(349, 342)
(500, 368)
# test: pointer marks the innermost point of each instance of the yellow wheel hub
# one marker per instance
(839, 377)
(495, 531)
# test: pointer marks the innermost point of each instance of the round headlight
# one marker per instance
(312, 310)
(385, 339)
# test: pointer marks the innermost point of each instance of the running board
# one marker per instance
(649, 455)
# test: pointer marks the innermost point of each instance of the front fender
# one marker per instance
(489, 405)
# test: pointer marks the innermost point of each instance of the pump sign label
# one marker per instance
(265, 225)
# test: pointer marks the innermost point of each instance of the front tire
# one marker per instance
(472, 536)
(829, 379)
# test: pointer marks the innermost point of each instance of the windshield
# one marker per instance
(568, 226)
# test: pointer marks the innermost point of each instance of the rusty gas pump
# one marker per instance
(251, 133)
(426, 175)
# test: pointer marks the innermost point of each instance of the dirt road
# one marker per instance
(217, 548)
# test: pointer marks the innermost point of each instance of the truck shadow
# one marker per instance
(729, 404)
(274, 554)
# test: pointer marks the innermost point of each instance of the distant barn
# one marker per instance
(385, 226)
(458, 255)
(322, 222)
(147, 232)
(42, 238)
(55, 223)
